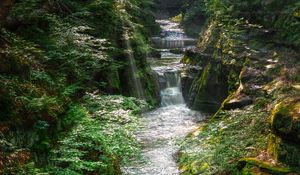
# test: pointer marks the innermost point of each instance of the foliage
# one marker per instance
(52, 53)
(216, 146)
(275, 16)
(101, 138)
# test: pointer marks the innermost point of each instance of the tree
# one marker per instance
(5, 6)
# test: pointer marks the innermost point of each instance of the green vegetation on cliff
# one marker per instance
(52, 53)
(66, 67)
(252, 49)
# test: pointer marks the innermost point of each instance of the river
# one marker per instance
(164, 127)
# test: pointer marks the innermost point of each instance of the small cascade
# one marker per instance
(138, 88)
(172, 36)
(171, 94)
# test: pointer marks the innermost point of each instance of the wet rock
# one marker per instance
(188, 75)
(238, 103)
(186, 83)
(177, 51)
(155, 53)
(154, 78)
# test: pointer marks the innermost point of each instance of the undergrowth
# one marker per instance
(217, 146)
(101, 138)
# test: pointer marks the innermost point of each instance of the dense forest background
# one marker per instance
(67, 97)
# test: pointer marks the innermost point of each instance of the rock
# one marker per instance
(255, 166)
(238, 103)
(188, 75)
(284, 142)
(250, 74)
(253, 80)
(285, 120)
(284, 151)
(177, 51)
(207, 92)
(186, 82)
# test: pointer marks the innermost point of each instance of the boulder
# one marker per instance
(285, 120)
(256, 166)
(284, 151)
(238, 102)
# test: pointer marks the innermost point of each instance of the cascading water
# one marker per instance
(171, 94)
(173, 120)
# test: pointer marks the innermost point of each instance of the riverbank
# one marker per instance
(250, 79)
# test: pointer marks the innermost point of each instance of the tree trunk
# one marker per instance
(5, 6)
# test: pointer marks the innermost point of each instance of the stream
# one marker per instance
(164, 127)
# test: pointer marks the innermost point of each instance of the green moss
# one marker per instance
(285, 119)
(186, 60)
(178, 18)
(204, 77)
(255, 166)
(284, 151)
(233, 81)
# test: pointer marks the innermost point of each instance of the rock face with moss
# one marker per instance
(284, 141)
(251, 72)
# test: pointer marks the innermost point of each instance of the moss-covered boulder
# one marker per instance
(209, 90)
(238, 102)
(284, 151)
(285, 120)
(252, 166)
(284, 142)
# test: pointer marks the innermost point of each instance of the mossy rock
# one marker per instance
(285, 120)
(284, 151)
(252, 166)
(238, 102)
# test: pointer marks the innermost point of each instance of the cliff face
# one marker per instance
(251, 74)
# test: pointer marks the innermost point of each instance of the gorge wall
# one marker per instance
(250, 82)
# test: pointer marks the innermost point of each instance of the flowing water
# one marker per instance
(164, 127)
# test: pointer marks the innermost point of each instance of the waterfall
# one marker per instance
(171, 94)
(133, 73)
